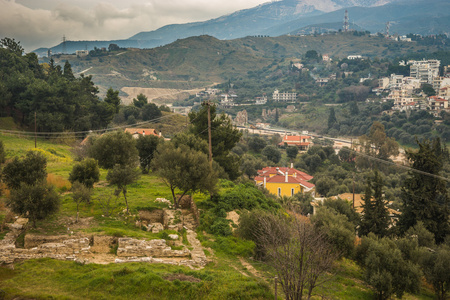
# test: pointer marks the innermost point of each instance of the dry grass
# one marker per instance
(58, 181)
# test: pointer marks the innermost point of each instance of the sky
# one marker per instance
(43, 23)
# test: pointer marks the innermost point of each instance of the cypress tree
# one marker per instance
(376, 217)
(380, 212)
(365, 226)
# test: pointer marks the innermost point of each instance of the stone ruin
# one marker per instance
(86, 248)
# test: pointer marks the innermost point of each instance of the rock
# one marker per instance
(173, 236)
(157, 227)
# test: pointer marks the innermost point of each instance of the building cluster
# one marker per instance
(406, 91)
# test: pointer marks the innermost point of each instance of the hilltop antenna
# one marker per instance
(388, 25)
(64, 48)
(346, 21)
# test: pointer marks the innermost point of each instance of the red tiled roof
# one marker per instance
(290, 179)
(267, 171)
(295, 138)
(147, 131)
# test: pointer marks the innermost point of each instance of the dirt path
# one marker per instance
(197, 253)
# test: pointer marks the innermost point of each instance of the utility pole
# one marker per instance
(209, 132)
(35, 134)
(353, 191)
(276, 286)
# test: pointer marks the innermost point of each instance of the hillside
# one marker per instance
(200, 61)
(229, 274)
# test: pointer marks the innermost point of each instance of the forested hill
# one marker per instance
(50, 93)
(199, 61)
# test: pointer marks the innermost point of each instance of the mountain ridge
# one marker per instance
(287, 17)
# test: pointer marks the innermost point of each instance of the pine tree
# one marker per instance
(425, 197)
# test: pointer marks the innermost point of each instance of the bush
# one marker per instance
(85, 172)
(29, 170)
(338, 230)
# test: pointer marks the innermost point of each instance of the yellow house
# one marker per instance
(284, 181)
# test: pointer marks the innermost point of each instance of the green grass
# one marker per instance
(222, 279)
(45, 278)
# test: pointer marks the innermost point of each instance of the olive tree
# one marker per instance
(36, 201)
(85, 172)
(185, 169)
(114, 148)
(29, 170)
(121, 176)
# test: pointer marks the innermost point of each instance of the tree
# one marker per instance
(337, 229)
(37, 201)
(185, 169)
(121, 176)
(377, 143)
(140, 101)
(365, 226)
(256, 144)
(385, 269)
(223, 136)
(113, 47)
(146, 146)
(85, 172)
(29, 170)
(311, 54)
(2, 153)
(291, 152)
(375, 216)
(424, 196)
(114, 148)
(80, 193)
(150, 112)
(299, 254)
(12, 45)
(250, 165)
(436, 268)
(428, 89)
(68, 74)
(331, 118)
(272, 153)
(112, 98)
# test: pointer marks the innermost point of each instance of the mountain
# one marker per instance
(254, 21)
(295, 17)
(415, 16)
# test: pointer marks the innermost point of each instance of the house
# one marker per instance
(437, 105)
(284, 181)
(136, 132)
(445, 92)
(356, 201)
(303, 142)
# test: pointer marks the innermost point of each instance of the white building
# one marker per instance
(424, 70)
(284, 97)
(82, 53)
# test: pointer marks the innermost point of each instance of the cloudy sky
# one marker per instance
(42, 23)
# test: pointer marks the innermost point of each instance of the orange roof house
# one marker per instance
(135, 132)
(303, 142)
(284, 181)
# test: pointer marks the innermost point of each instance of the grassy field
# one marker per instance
(231, 274)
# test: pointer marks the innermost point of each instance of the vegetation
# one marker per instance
(115, 148)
